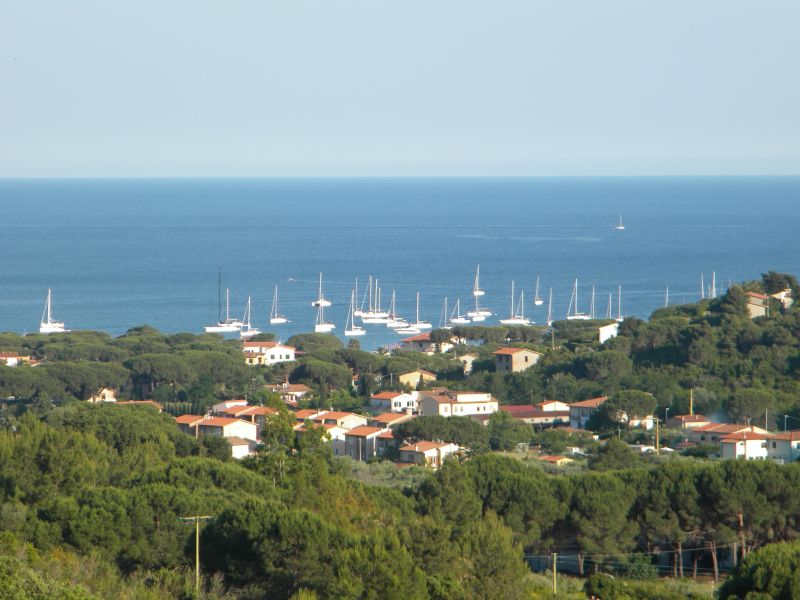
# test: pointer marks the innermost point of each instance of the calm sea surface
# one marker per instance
(119, 253)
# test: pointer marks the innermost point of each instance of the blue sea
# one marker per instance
(120, 253)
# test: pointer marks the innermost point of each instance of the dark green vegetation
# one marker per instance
(102, 486)
(108, 483)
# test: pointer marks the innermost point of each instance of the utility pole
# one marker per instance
(555, 571)
(196, 520)
(658, 445)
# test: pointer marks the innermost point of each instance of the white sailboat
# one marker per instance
(358, 312)
(228, 325)
(608, 310)
(420, 324)
(591, 305)
(275, 318)
(619, 226)
(443, 323)
(537, 299)
(350, 327)
(48, 324)
(619, 304)
(573, 315)
(456, 318)
(666, 297)
(247, 331)
(321, 300)
(476, 287)
(374, 314)
(516, 317)
(395, 321)
(321, 325)
(479, 314)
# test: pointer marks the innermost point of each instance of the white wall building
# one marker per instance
(458, 404)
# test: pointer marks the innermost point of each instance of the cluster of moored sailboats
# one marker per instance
(367, 310)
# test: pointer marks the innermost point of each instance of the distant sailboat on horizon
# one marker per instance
(619, 226)
(275, 318)
(47, 323)
(227, 325)
(350, 327)
(247, 331)
(575, 315)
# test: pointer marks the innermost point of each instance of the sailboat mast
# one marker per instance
(619, 302)
(219, 296)
(666, 298)
(417, 307)
(702, 288)
(608, 310)
(512, 300)
(550, 308)
(49, 306)
(591, 308)
(227, 304)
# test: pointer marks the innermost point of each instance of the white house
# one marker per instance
(429, 454)
(713, 433)
(748, 445)
(347, 420)
(457, 404)
(785, 446)
(606, 332)
(240, 448)
(104, 395)
(267, 353)
(290, 392)
(228, 427)
(395, 401)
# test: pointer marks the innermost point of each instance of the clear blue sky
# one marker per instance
(411, 87)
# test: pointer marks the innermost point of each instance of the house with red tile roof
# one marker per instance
(422, 343)
(395, 401)
(544, 414)
(347, 420)
(580, 412)
(757, 304)
(228, 427)
(714, 432)
(514, 360)
(290, 392)
(748, 445)
(459, 403)
(428, 454)
(687, 421)
(267, 353)
(361, 443)
(389, 419)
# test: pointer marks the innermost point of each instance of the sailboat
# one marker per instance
(228, 325)
(476, 287)
(374, 314)
(456, 318)
(321, 300)
(573, 315)
(619, 305)
(537, 299)
(591, 305)
(48, 324)
(416, 326)
(394, 321)
(275, 318)
(321, 325)
(357, 312)
(619, 226)
(350, 327)
(479, 314)
(666, 297)
(550, 309)
(513, 317)
(443, 324)
(247, 330)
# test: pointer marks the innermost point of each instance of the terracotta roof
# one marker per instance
(386, 435)
(9, 355)
(422, 337)
(514, 351)
(363, 431)
(307, 413)
(389, 418)
(386, 395)
(234, 410)
(744, 435)
(787, 436)
(221, 421)
(189, 419)
(335, 414)
(237, 441)
(591, 403)
(756, 295)
(552, 458)
(423, 446)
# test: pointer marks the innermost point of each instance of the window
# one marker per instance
(774, 445)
